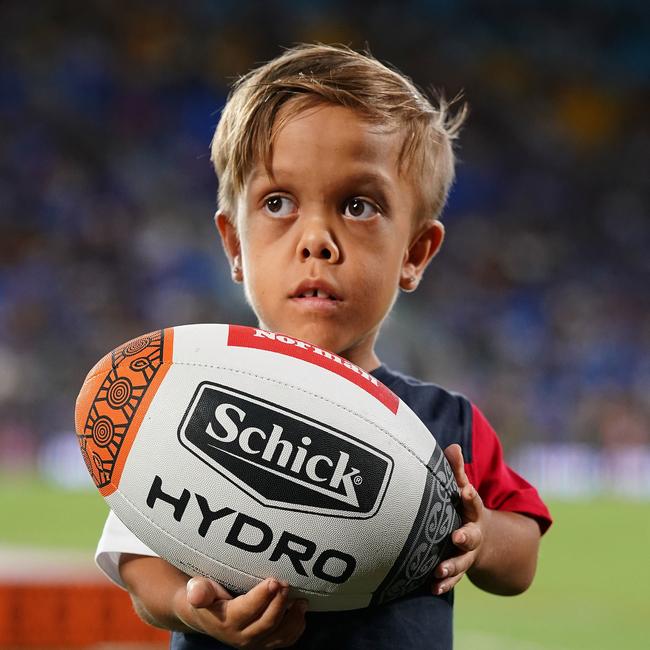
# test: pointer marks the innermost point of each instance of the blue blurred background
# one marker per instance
(538, 307)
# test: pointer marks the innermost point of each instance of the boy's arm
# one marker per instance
(497, 549)
(165, 597)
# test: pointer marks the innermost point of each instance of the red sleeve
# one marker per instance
(499, 486)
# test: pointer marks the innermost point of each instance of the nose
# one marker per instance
(317, 241)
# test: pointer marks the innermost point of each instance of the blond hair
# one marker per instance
(335, 74)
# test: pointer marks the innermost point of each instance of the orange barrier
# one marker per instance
(62, 616)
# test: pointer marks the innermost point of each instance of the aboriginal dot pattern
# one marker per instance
(132, 369)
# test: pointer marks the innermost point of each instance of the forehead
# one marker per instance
(334, 138)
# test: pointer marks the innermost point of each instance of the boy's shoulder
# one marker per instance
(452, 418)
(389, 376)
(447, 414)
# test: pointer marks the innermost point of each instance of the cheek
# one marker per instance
(266, 241)
(377, 282)
(384, 266)
(257, 284)
(256, 252)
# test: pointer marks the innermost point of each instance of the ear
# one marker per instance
(423, 247)
(231, 245)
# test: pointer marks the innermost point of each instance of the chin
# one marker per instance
(322, 337)
(325, 340)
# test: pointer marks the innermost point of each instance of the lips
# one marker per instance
(315, 289)
(315, 293)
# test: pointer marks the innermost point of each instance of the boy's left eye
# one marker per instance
(358, 208)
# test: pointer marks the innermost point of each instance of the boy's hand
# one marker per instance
(469, 538)
(259, 619)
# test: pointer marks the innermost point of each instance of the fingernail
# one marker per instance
(444, 572)
(273, 586)
(460, 538)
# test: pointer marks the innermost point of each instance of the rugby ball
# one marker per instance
(238, 454)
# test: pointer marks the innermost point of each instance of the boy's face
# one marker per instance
(323, 243)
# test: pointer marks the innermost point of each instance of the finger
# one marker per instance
(455, 566)
(203, 592)
(454, 455)
(472, 504)
(444, 586)
(243, 610)
(452, 571)
(271, 617)
(468, 538)
(291, 628)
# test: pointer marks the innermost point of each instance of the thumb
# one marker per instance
(472, 503)
(203, 592)
(454, 455)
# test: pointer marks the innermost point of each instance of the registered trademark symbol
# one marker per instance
(358, 480)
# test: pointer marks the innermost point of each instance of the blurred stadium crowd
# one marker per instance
(538, 307)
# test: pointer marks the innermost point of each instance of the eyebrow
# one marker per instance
(369, 178)
(360, 178)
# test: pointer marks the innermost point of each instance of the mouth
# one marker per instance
(316, 293)
(316, 290)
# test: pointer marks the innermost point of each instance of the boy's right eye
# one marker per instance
(279, 206)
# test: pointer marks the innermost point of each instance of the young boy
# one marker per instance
(333, 170)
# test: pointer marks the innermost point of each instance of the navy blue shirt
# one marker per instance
(418, 620)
